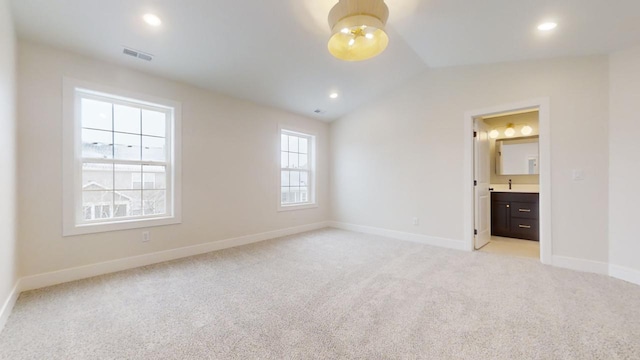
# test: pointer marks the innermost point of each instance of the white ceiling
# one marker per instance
(274, 52)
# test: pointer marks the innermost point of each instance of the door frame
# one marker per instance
(543, 107)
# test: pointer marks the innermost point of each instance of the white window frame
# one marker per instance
(311, 136)
(73, 215)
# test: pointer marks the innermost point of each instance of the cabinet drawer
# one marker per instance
(525, 228)
(524, 210)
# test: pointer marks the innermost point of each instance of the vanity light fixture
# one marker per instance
(510, 131)
(357, 29)
(526, 130)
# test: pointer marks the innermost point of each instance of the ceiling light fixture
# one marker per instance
(152, 20)
(547, 26)
(357, 28)
(333, 95)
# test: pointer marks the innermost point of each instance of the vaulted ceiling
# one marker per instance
(273, 52)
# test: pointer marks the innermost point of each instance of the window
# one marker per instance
(296, 170)
(120, 161)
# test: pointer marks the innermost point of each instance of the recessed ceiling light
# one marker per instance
(547, 26)
(152, 20)
(333, 95)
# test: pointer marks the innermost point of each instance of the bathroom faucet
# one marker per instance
(509, 184)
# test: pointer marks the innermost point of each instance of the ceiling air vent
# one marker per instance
(137, 54)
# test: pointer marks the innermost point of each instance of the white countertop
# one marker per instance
(521, 188)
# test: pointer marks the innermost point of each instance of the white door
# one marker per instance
(482, 182)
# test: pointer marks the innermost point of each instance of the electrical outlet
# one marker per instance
(416, 221)
(146, 236)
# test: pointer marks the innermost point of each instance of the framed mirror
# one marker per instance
(517, 156)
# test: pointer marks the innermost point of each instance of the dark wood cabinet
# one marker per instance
(515, 215)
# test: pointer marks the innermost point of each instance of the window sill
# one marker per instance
(120, 225)
(296, 207)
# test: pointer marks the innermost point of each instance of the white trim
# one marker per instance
(71, 138)
(543, 106)
(590, 266)
(296, 207)
(87, 271)
(625, 273)
(8, 305)
(399, 235)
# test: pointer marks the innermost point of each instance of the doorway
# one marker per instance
(496, 183)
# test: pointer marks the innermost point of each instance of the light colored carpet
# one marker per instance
(331, 294)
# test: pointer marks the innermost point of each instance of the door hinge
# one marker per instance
(475, 182)
(475, 134)
(475, 231)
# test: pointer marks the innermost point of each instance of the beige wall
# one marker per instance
(531, 119)
(624, 158)
(7, 154)
(229, 178)
(401, 156)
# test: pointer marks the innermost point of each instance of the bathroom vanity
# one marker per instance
(515, 215)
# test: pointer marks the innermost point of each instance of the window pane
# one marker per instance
(303, 161)
(97, 176)
(155, 177)
(126, 119)
(121, 210)
(96, 114)
(96, 144)
(303, 146)
(284, 142)
(284, 159)
(153, 123)
(304, 179)
(293, 161)
(294, 193)
(154, 202)
(295, 178)
(128, 202)
(304, 194)
(293, 143)
(128, 177)
(284, 178)
(287, 195)
(127, 147)
(87, 212)
(153, 149)
(99, 202)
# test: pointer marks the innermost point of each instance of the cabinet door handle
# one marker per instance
(524, 226)
(524, 210)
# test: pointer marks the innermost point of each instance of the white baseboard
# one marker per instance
(8, 304)
(418, 238)
(591, 266)
(87, 271)
(625, 273)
